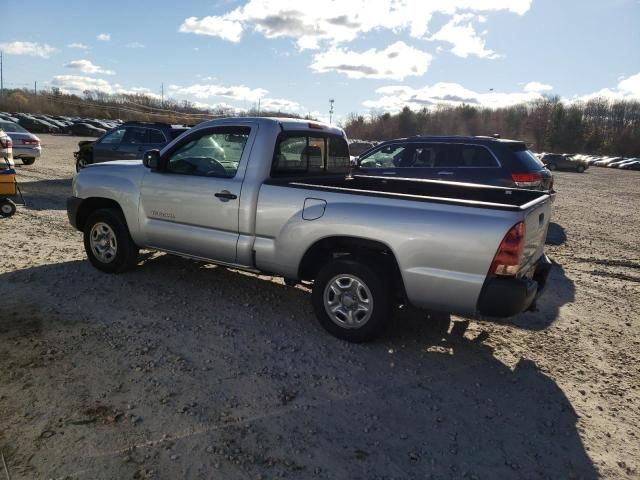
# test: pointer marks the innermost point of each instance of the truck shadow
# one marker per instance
(46, 194)
(422, 401)
(556, 234)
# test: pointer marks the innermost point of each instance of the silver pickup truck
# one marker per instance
(275, 196)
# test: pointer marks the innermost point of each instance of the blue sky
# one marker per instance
(293, 56)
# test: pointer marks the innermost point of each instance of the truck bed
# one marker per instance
(469, 194)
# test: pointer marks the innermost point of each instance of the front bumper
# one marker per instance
(505, 297)
(73, 205)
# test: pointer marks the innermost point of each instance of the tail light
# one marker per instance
(532, 179)
(30, 141)
(509, 254)
(6, 142)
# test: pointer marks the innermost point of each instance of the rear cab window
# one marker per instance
(299, 154)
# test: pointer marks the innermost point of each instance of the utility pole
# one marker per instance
(35, 87)
(259, 106)
(1, 77)
(162, 94)
(331, 100)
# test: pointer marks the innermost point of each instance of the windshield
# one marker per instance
(12, 127)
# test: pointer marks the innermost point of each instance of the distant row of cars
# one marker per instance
(579, 162)
(40, 123)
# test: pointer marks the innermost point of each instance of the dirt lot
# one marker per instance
(182, 370)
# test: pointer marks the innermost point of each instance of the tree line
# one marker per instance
(598, 126)
(124, 106)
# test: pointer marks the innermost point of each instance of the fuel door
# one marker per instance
(313, 208)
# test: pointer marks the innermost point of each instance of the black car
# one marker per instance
(36, 125)
(128, 141)
(486, 160)
(556, 161)
(81, 129)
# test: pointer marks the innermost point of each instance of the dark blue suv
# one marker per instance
(486, 160)
(128, 141)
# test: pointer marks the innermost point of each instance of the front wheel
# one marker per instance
(351, 300)
(580, 169)
(551, 167)
(28, 161)
(81, 162)
(107, 242)
(7, 208)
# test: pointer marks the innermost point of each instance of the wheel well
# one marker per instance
(372, 251)
(90, 205)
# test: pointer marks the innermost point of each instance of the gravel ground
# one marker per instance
(185, 370)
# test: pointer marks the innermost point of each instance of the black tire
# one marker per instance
(7, 208)
(551, 167)
(580, 169)
(81, 162)
(381, 300)
(125, 255)
(28, 161)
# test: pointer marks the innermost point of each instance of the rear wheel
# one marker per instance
(107, 242)
(351, 300)
(551, 166)
(7, 207)
(28, 161)
(580, 168)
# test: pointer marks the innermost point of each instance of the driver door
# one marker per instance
(192, 206)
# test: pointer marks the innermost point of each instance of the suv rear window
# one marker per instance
(310, 154)
(526, 157)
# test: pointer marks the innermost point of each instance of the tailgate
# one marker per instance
(536, 222)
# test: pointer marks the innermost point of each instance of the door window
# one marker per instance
(477, 156)
(213, 154)
(135, 136)
(155, 136)
(389, 156)
(114, 137)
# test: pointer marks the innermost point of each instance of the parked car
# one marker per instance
(274, 195)
(556, 161)
(86, 130)
(6, 151)
(634, 165)
(26, 146)
(126, 142)
(36, 125)
(486, 160)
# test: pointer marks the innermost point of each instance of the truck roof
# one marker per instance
(455, 139)
(285, 123)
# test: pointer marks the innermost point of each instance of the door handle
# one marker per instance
(226, 195)
(445, 173)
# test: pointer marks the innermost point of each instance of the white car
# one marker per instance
(6, 151)
(26, 146)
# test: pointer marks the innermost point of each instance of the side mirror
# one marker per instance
(151, 159)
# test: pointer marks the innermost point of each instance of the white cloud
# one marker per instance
(239, 92)
(396, 62)
(78, 84)
(627, 89)
(279, 105)
(85, 66)
(338, 21)
(104, 37)
(394, 98)
(214, 26)
(631, 85)
(81, 46)
(134, 45)
(27, 48)
(460, 33)
(537, 87)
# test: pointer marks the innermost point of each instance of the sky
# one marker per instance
(366, 55)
